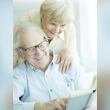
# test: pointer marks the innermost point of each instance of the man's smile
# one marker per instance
(40, 58)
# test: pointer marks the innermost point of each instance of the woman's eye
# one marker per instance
(52, 23)
(62, 25)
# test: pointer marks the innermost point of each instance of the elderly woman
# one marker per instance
(55, 18)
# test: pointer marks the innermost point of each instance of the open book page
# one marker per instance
(78, 102)
(94, 94)
(79, 92)
(94, 82)
(83, 91)
(92, 99)
(81, 99)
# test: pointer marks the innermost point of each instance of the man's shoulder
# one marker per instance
(20, 73)
(76, 65)
(20, 69)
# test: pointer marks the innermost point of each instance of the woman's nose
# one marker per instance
(57, 29)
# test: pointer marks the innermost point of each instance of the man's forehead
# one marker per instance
(31, 38)
(31, 33)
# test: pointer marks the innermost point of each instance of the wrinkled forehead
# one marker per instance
(31, 38)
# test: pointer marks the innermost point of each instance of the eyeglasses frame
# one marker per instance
(35, 46)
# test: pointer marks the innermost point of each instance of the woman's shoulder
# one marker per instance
(70, 30)
(30, 16)
(32, 13)
(70, 26)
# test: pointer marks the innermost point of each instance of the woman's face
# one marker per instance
(52, 28)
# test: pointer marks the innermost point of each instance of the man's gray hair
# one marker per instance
(25, 27)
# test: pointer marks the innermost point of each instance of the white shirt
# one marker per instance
(30, 85)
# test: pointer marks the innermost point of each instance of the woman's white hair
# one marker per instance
(25, 27)
(59, 10)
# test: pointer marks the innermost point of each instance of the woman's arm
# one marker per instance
(67, 55)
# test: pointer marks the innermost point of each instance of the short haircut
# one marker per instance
(25, 27)
(59, 10)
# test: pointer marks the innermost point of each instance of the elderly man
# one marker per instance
(38, 84)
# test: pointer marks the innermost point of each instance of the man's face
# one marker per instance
(52, 28)
(28, 39)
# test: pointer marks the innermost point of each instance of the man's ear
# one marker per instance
(20, 52)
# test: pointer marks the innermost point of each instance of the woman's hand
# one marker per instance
(91, 108)
(65, 58)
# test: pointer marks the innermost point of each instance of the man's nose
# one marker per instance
(38, 51)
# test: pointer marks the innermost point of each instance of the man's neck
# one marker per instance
(46, 66)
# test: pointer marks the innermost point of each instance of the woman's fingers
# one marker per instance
(71, 64)
(61, 65)
(66, 60)
(65, 65)
(67, 68)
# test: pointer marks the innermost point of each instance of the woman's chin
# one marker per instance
(51, 35)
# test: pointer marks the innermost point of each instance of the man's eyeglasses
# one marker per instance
(32, 50)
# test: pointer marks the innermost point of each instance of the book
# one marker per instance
(82, 99)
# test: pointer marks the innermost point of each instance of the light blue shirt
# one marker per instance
(30, 85)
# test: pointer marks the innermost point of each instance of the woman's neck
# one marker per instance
(49, 40)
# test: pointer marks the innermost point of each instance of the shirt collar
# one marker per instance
(51, 64)
(33, 67)
(61, 35)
